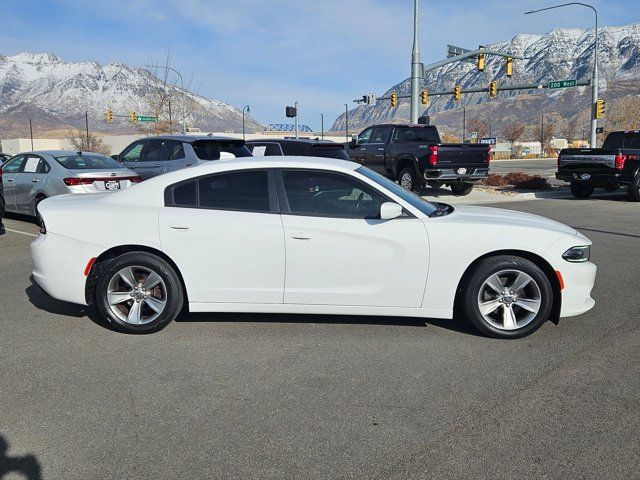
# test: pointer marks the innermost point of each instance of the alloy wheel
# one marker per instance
(137, 295)
(509, 299)
(406, 181)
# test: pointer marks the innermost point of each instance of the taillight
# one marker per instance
(620, 159)
(135, 179)
(433, 155)
(73, 181)
(487, 157)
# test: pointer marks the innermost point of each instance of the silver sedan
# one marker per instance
(29, 178)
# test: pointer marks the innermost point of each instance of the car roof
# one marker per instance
(421, 125)
(55, 153)
(190, 138)
(309, 141)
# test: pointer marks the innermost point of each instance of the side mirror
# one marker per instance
(116, 158)
(390, 210)
(354, 141)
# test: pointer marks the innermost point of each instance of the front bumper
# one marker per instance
(579, 279)
(463, 174)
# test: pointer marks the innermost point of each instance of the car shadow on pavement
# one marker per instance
(25, 466)
(456, 325)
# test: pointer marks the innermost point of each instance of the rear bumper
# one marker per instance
(594, 178)
(464, 174)
(579, 279)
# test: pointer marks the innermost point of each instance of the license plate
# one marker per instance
(462, 171)
(112, 185)
(584, 176)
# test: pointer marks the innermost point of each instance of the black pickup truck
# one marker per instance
(615, 165)
(414, 156)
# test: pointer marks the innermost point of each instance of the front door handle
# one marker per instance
(35, 180)
(381, 149)
(300, 236)
(9, 180)
(179, 226)
(158, 165)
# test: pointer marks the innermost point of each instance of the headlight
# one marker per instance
(577, 254)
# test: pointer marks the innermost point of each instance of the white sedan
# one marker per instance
(306, 235)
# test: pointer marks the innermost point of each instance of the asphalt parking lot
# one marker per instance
(274, 397)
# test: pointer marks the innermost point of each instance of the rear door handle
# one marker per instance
(300, 236)
(35, 180)
(179, 226)
(158, 165)
(9, 180)
(381, 149)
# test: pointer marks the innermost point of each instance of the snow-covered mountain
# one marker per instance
(559, 54)
(55, 94)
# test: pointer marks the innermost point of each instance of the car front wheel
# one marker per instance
(507, 297)
(138, 292)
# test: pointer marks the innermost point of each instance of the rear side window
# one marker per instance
(416, 134)
(153, 151)
(212, 149)
(622, 140)
(174, 150)
(329, 151)
(244, 191)
(264, 149)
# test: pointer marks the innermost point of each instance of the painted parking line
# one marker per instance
(21, 233)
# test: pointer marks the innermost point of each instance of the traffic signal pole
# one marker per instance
(415, 66)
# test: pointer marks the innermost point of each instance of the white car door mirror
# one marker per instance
(390, 210)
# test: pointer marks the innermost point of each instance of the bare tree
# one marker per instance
(570, 130)
(93, 143)
(544, 135)
(624, 114)
(169, 99)
(449, 138)
(478, 125)
(513, 132)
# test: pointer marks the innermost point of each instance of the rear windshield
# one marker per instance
(87, 161)
(416, 134)
(329, 151)
(212, 149)
(622, 140)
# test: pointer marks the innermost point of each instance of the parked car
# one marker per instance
(306, 235)
(154, 156)
(414, 156)
(29, 178)
(4, 157)
(305, 147)
(615, 165)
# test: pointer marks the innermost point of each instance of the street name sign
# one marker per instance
(146, 118)
(554, 84)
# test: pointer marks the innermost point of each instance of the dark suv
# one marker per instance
(152, 156)
(304, 147)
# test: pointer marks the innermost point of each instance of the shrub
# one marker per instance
(495, 180)
(517, 180)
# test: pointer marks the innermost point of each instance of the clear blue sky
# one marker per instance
(269, 53)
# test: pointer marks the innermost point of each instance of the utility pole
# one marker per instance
(464, 123)
(31, 132)
(322, 125)
(296, 118)
(248, 110)
(415, 66)
(542, 136)
(346, 120)
(86, 124)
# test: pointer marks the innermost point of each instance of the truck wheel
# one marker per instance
(407, 179)
(461, 189)
(633, 190)
(581, 190)
(434, 184)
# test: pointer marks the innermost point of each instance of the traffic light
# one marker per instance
(493, 89)
(457, 94)
(394, 100)
(599, 108)
(109, 116)
(509, 66)
(481, 62)
(424, 97)
(132, 116)
(291, 112)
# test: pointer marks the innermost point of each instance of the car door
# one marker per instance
(32, 178)
(375, 149)
(131, 157)
(9, 174)
(173, 156)
(339, 252)
(152, 162)
(359, 153)
(225, 234)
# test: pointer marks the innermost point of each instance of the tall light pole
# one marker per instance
(594, 79)
(346, 120)
(247, 109)
(295, 105)
(322, 125)
(415, 66)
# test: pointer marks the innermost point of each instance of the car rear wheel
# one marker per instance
(139, 292)
(633, 190)
(581, 190)
(507, 297)
(461, 188)
(407, 179)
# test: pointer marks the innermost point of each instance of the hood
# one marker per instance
(500, 216)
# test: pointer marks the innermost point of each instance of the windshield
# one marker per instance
(211, 149)
(411, 198)
(87, 161)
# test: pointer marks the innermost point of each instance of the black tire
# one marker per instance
(581, 190)
(435, 184)
(172, 294)
(461, 189)
(633, 190)
(408, 179)
(473, 285)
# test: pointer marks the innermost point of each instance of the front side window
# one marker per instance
(380, 134)
(365, 137)
(133, 152)
(13, 165)
(327, 194)
(153, 151)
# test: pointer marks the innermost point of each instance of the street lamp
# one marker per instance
(594, 79)
(248, 110)
(322, 125)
